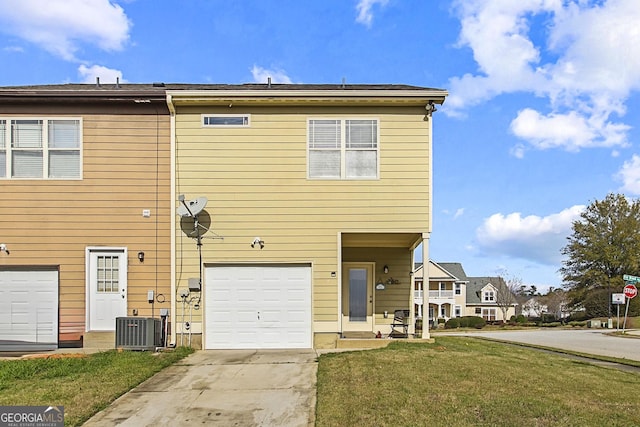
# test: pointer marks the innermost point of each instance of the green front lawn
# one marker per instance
(462, 381)
(83, 385)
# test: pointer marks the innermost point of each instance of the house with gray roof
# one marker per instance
(451, 293)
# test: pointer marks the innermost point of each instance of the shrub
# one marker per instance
(452, 323)
(521, 318)
(551, 324)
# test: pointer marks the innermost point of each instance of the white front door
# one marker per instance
(107, 288)
(357, 297)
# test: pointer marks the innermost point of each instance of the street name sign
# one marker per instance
(631, 279)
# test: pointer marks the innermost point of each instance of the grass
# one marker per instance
(461, 381)
(83, 385)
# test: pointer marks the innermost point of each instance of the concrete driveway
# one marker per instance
(590, 341)
(225, 388)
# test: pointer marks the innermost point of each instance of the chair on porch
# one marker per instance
(400, 324)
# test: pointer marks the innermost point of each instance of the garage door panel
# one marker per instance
(270, 306)
(29, 307)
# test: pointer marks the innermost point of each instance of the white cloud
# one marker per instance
(629, 174)
(364, 7)
(571, 131)
(62, 26)
(534, 238)
(261, 75)
(107, 75)
(458, 213)
(579, 62)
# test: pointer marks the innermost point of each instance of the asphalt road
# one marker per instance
(589, 341)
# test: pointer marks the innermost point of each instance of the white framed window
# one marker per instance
(457, 311)
(343, 148)
(489, 296)
(443, 311)
(489, 314)
(458, 288)
(226, 120)
(39, 148)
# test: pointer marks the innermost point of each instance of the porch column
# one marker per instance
(425, 283)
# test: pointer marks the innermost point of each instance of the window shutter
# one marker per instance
(3, 152)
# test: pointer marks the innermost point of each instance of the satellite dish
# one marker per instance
(192, 207)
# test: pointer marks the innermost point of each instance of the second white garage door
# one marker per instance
(258, 306)
(28, 310)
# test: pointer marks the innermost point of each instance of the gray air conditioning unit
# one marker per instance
(138, 333)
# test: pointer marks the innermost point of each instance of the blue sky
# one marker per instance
(542, 117)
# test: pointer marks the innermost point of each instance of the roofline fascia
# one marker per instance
(435, 95)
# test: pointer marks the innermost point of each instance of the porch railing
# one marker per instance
(441, 294)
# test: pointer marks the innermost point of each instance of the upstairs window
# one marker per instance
(458, 289)
(489, 296)
(343, 149)
(225, 120)
(40, 148)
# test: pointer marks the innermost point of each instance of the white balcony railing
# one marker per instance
(441, 294)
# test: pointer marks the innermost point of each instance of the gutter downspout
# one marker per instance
(172, 113)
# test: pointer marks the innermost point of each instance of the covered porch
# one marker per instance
(376, 280)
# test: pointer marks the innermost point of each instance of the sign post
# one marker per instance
(630, 291)
(617, 300)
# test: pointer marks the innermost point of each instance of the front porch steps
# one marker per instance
(99, 340)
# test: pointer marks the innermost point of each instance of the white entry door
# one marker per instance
(107, 288)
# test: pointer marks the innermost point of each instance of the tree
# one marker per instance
(506, 292)
(603, 246)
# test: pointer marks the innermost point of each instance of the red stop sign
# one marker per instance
(630, 291)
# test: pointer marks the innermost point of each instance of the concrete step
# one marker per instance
(99, 340)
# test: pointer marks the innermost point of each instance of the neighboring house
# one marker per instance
(447, 291)
(85, 211)
(317, 197)
(483, 299)
(453, 294)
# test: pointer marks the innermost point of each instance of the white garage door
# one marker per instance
(257, 307)
(28, 310)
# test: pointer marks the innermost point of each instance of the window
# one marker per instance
(489, 314)
(108, 273)
(225, 120)
(458, 311)
(343, 149)
(443, 311)
(40, 148)
(489, 296)
(478, 310)
(458, 288)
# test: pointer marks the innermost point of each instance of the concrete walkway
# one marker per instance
(223, 388)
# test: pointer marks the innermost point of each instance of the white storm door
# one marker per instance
(357, 291)
(107, 288)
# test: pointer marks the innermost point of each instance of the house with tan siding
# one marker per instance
(85, 213)
(297, 210)
(451, 293)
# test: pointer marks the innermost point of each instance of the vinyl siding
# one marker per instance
(256, 181)
(51, 222)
